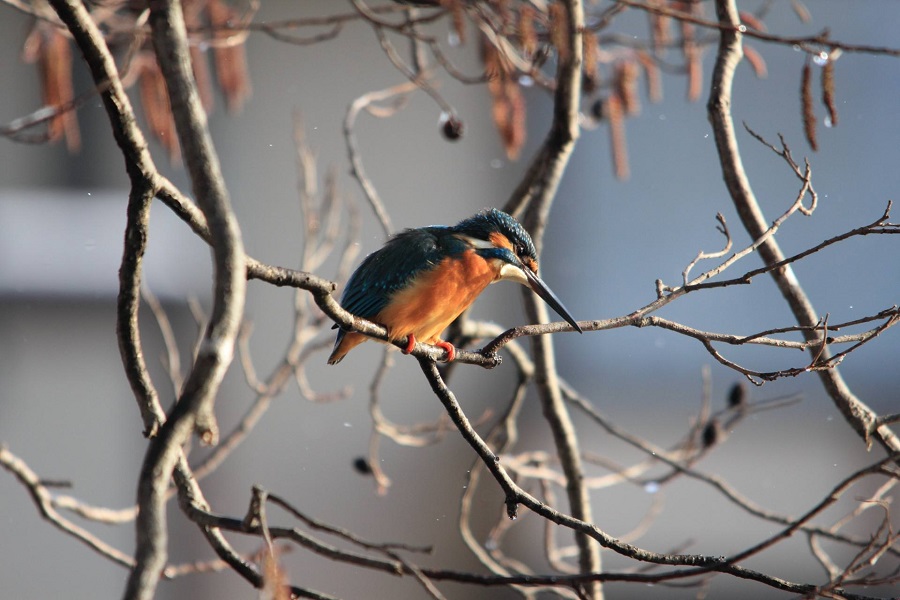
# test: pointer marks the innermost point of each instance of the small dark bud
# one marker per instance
(712, 433)
(598, 109)
(361, 465)
(737, 396)
(452, 129)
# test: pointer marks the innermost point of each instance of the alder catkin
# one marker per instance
(528, 38)
(828, 91)
(616, 116)
(559, 30)
(591, 75)
(757, 62)
(625, 86)
(652, 76)
(806, 101)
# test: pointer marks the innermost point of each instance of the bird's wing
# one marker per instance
(385, 271)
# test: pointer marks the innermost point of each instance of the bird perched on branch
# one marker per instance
(422, 279)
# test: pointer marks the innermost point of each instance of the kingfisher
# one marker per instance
(423, 278)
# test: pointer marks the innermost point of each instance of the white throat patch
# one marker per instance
(513, 273)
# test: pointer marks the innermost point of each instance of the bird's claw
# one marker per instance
(410, 344)
(451, 350)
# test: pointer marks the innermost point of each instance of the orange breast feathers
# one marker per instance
(437, 297)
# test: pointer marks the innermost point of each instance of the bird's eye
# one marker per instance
(520, 250)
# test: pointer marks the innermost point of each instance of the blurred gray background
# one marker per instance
(66, 408)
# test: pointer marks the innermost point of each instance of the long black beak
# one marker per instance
(540, 288)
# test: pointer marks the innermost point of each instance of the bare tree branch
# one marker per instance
(522, 35)
(857, 414)
(353, 151)
(44, 502)
(810, 44)
(195, 408)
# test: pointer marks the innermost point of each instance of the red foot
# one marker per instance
(451, 351)
(447, 346)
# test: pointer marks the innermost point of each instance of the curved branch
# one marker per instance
(534, 197)
(353, 153)
(44, 502)
(170, 42)
(144, 182)
(195, 407)
(128, 301)
(542, 179)
(856, 413)
(515, 495)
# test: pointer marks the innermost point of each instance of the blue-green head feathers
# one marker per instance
(491, 220)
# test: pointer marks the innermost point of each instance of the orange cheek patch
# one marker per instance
(499, 240)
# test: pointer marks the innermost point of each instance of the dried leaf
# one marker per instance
(591, 73)
(155, 100)
(828, 91)
(559, 30)
(691, 51)
(458, 17)
(625, 86)
(50, 49)
(809, 115)
(274, 580)
(652, 75)
(509, 117)
(508, 106)
(801, 11)
(751, 21)
(694, 72)
(230, 58)
(231, 69)
(660, 34)
(757, 62)
(616, 116)
(527, 35)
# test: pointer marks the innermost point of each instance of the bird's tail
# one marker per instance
(345, 342)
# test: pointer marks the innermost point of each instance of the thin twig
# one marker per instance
(44, 502)
(357, 169)
(812, 44)
(855, 412)
(658, 454)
